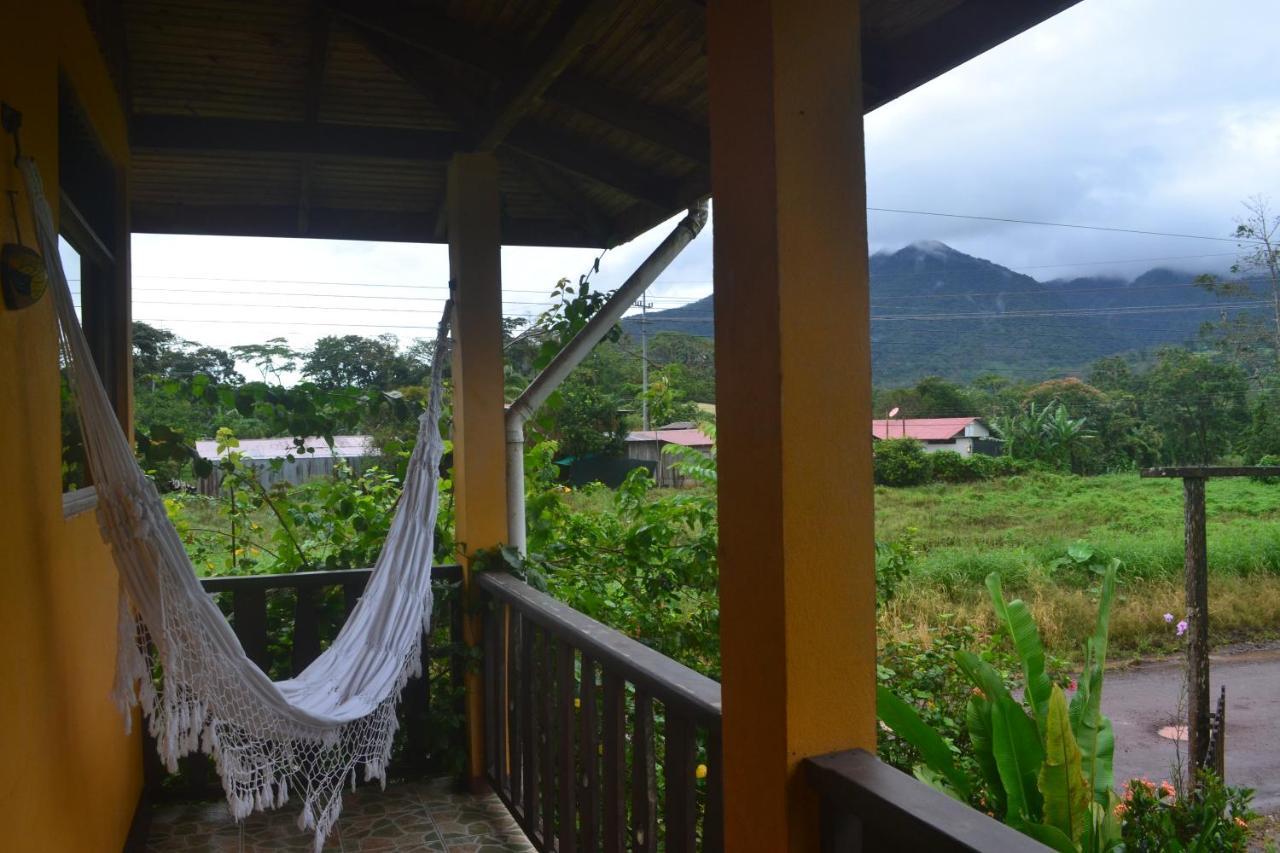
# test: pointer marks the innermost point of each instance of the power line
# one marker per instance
(1075, 225)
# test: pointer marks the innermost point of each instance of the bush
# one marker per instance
(1213, 816)
(1269, 459)
(951, 467)
(902, 462)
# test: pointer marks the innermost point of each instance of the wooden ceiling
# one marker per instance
(336, 118)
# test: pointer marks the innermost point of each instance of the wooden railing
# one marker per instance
(868, 805)
(578, 719)
(284, 621)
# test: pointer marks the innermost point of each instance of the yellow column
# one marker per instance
(479, 448)
(793, 381)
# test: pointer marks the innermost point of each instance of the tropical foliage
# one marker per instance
(1043, 766)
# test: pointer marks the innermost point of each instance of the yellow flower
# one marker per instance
(701, 771)
(577, 703)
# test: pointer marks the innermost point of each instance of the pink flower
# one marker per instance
(1072, 685)
(1168, 618)
(1182, 627)
(1166, 789)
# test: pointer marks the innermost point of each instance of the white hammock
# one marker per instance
(306, 735)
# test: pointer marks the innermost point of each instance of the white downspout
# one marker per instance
(519, 412)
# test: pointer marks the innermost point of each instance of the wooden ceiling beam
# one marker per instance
(613, 108)
(313, 87)
(280, 137)
(557, 185)
(571, 28)
(401, 226)
(586, 161)
(427, 32)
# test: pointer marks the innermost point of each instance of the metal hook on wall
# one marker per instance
(11, 120)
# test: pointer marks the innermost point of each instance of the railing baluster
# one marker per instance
(565, 775)
(644, 778)
(489, 649)
(713, 820)
(306, 629)
(503, 664)
(351, 593)
(589, 802)
(679, 762)
(515, 708)
(614, 736)
(529, 730)
(249, 619)
(546, 723)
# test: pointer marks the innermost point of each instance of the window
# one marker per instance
(94, 249)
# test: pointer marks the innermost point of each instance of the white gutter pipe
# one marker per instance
(529, 401)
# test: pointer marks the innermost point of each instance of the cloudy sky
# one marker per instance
(1155, 115)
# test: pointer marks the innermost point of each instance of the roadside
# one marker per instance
(1142, 698)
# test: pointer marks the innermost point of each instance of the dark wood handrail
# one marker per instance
(666, 680)
(310, 580)
(866, 805)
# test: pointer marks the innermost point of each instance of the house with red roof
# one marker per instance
(965, 436)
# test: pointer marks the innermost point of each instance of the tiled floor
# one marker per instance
(418, 816)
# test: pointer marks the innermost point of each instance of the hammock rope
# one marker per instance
(304, 737)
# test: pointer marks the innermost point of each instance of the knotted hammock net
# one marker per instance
(271, 740)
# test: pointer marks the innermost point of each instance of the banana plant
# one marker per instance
(1046, 765)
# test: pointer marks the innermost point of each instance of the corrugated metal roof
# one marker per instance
(344, 446)
(687, 437)
(922, 429)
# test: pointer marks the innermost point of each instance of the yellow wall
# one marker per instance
(71, 777)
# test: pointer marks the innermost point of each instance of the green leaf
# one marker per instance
(906, 724)
(1066, 793)
(978, 721)
(933, 779)
(1015, 745)
(1049, 836)
(1091, 728)
(982, 674)
(1016, 618)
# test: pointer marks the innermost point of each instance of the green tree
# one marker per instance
(361, 362)
(1197, 402)
(931, 397)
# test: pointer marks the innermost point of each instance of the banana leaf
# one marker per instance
(1015, 746)
(982, 674)
(978, 720)
(1092, 729)
(1049, 836)
(1067, 796)
(1016, 618)
(906, 724)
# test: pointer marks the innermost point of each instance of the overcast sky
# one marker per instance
(1158, 115)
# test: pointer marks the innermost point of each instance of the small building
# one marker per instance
(965, 436)
(316, 460)
(648, 445)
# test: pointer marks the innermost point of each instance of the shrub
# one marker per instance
(951, 467)
(893, 564)
(1269, 459)
(1213, 816)
(902, 462)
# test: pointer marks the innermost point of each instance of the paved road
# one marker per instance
(1142, 699)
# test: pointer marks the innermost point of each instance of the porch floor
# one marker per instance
(418, 816)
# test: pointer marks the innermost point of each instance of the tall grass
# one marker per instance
(1022, 527)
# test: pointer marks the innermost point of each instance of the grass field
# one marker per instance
(1022, 527)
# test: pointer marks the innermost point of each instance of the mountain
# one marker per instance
(938, 311)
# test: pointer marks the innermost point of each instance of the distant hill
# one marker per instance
(937, 311)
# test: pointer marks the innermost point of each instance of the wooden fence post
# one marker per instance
(1197, 590)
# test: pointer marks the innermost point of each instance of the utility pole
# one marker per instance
(644, 363)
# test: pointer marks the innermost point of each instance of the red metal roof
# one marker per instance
(687, 437)
(922, 429)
